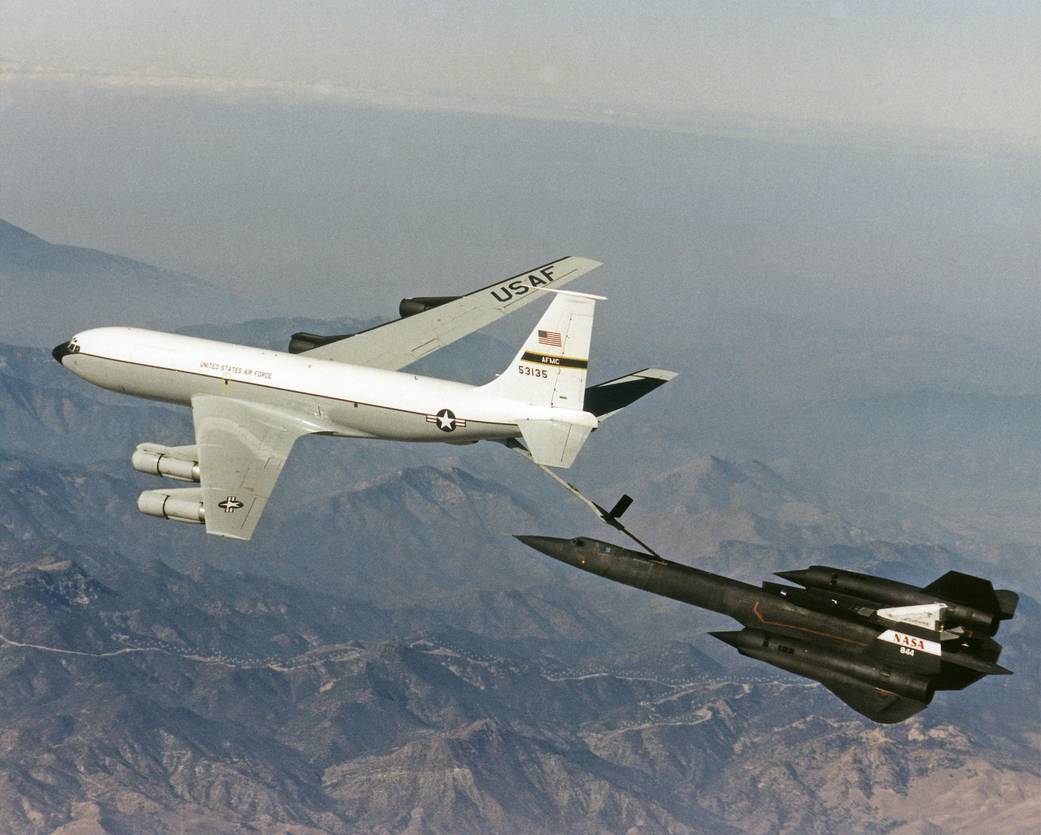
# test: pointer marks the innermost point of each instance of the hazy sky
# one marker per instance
(926, 67)
(327, 158)
(791, 200)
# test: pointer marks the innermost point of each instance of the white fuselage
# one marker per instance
(348, 400)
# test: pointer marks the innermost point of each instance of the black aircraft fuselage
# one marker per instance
(881, 646)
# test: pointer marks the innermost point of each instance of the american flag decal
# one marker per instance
(549, 338)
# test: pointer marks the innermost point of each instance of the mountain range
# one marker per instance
(50, 289)
(384, 657)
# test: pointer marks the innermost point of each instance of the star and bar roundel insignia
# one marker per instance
(230, 504)
(445, 420)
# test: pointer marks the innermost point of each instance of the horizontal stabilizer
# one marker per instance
(604, 399)
(553, 443)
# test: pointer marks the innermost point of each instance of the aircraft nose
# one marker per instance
(550, 545)
(60, 352)
(564, 550)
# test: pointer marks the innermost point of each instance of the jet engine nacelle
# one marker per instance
(304, 341)
(183, 505)
(827, 665)
(418, 304)
(178, 462)
(970, 602)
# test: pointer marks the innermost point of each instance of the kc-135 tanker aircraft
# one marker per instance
(249, 405)
(881, 646)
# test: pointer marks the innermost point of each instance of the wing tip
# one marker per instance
(658, 374)
(579, 262)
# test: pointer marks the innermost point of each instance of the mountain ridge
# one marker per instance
(50, 291)
(385, 657)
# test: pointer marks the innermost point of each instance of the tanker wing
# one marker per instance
(433, 323)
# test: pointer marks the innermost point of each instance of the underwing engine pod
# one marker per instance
(176, 462)
(181, 505)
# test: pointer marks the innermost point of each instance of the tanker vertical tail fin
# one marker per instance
(550, 370)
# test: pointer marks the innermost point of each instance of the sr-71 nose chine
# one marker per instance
(882, 646)
(249, 405)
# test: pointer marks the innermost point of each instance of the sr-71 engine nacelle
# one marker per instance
(970, 602)
(177, 462)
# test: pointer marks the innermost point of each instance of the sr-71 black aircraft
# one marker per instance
(881, 646)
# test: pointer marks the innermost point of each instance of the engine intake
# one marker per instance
(183, 505)
(180, 462)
